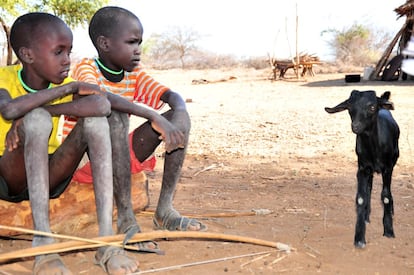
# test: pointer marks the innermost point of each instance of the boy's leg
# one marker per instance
(127, 223)
(92, 133)
(36, 128)
(145, 141)
(119, 127)
(96, 133)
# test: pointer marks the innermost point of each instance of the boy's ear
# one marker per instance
(103, 43)
(26, 55)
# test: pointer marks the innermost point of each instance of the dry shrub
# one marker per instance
(335, 67)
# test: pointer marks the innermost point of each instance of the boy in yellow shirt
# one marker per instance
(33, 165)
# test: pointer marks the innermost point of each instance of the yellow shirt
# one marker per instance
(10, 81)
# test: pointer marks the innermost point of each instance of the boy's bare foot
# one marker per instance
(50, 264)
(115, 261)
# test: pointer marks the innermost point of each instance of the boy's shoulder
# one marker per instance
(84, 61)
(6, 71)
(9, 76)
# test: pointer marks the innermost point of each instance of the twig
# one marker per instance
(278, 259)
(312, 249)
(269, 178)
(310, 254)
(145, 236)
(255, 259)
(213, 166)
(168, 268)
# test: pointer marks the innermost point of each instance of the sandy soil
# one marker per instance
(257, 144)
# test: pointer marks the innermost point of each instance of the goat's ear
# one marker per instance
(338, 108)
(384, 102)
(386, 95)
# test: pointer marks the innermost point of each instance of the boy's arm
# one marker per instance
(14, 108)
(121, 104)
(17, 107)
(171, 135)
(174, 100)
(86, 106)
(12, 137)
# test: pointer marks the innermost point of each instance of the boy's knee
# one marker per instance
(38, 120)
(181, 120)
(95, 125)
(119, 121)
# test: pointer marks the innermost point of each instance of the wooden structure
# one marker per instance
(306, 63)
(402, 37)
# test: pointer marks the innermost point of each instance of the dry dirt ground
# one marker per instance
(258, 144)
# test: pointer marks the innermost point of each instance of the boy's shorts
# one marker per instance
(4, 191)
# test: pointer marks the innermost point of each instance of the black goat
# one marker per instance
(377, 151)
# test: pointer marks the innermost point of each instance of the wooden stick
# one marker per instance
(67, 237)
(117, 239)
(253, 212)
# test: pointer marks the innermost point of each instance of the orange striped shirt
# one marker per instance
(136, 86)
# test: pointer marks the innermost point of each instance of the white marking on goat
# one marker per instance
(386, 200)
(360, 201)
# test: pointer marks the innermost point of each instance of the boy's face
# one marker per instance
(125, 46)
(51, 53)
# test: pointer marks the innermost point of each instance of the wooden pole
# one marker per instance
(383, 60)
(297, 35)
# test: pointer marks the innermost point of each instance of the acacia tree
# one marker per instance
(73, 12)
(357, 45)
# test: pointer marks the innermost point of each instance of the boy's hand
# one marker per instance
(89, 89)
(170, 134)
(12, 137)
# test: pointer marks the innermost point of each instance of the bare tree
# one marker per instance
(175, 43)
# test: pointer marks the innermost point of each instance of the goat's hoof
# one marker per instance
(359, 244)
(389, 234)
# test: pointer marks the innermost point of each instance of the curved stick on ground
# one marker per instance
(117, 240)
(66, 237)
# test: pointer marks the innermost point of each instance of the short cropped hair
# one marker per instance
(27, 27)
(106, 22)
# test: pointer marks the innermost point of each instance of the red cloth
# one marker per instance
(84, 174)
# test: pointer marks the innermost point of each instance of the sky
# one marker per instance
(247, 28)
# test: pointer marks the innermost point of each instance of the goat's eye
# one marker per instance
(372, 108)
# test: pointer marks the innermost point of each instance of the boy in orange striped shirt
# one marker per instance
(117, 36)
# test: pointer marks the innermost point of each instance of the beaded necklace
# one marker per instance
(27, 88)
(107, 69)
(102, 79)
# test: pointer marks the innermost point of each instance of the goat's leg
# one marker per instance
(369, 190)
(388, 203)
(362, 204)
